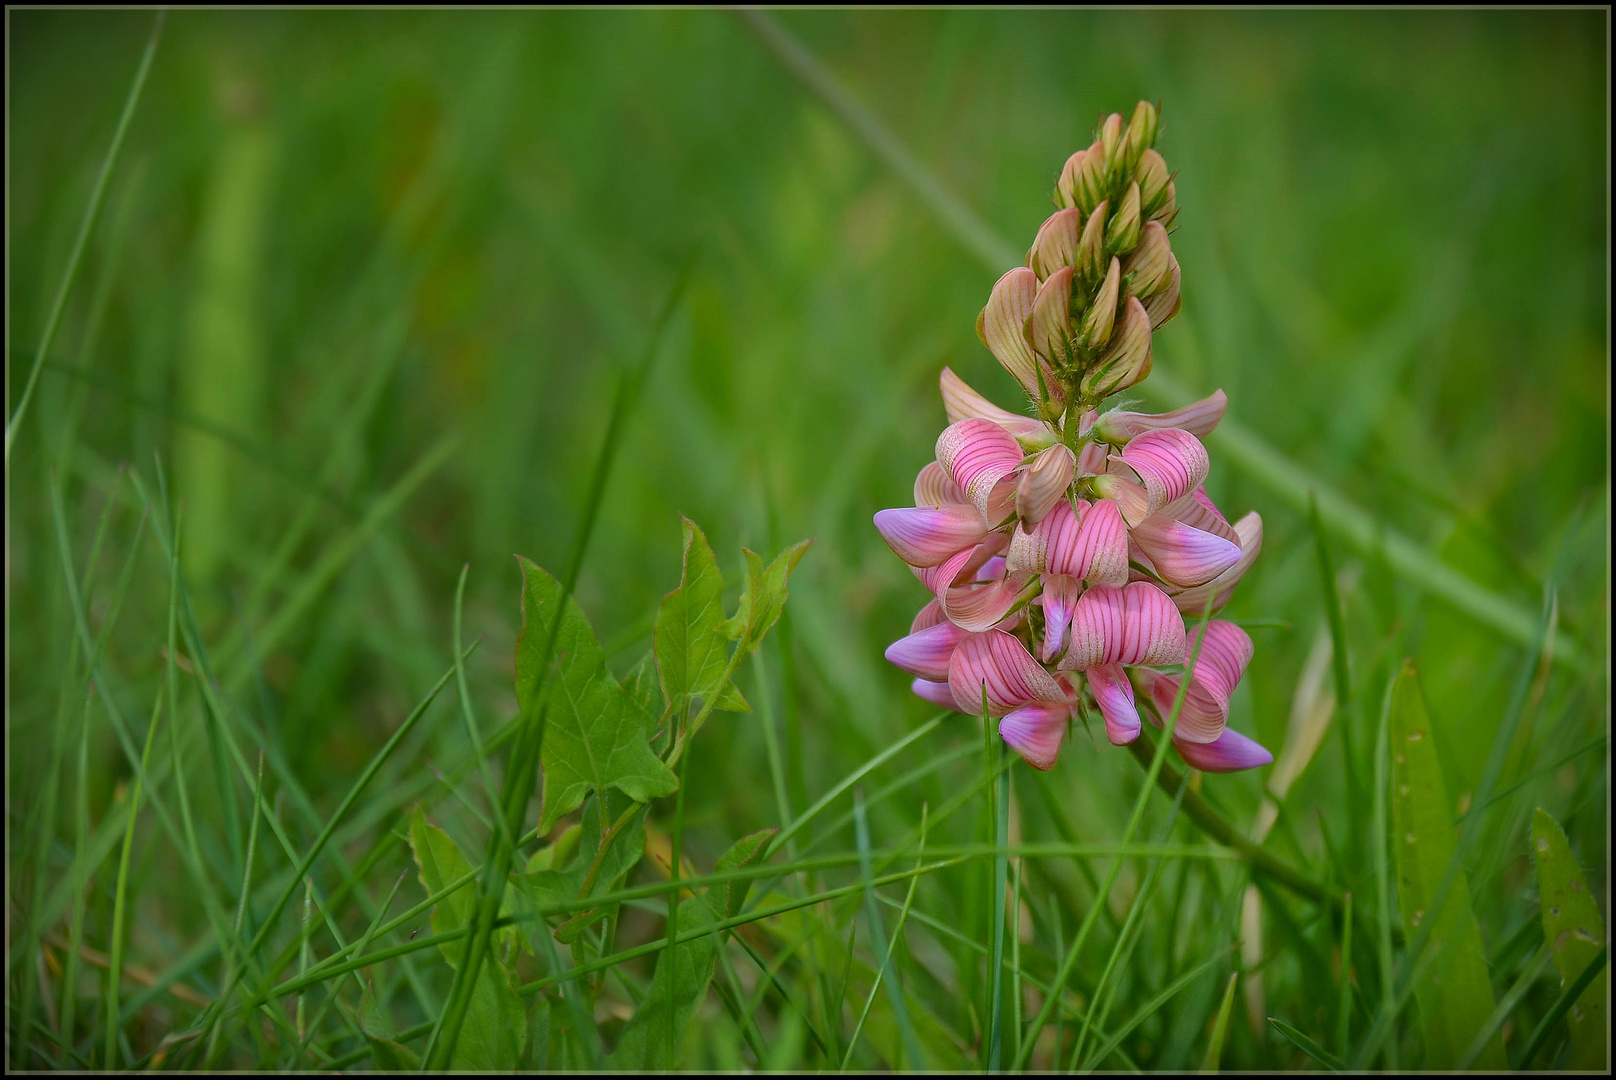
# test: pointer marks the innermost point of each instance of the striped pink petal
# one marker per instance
(1001, 326)
(981, 606)
(1003, 665)
(1097, 550)
(930, 615)
(1114, 693)
(1198, 511)
(963, 403)
(1045, 481)
(1197, 418)
(926, 653)
(1192, 601)
(1049, 328)
(1035, 732)
(1056, 243)
(934, 488)
(1171, 463)
(1092, 460)
(1229, 752)
(963, 565)
(1130, 498)
(1136, 624)
(1182, 554)
(1217, 672)
(977, 455)
(927, 536)
(937, 693)
(1059, 600)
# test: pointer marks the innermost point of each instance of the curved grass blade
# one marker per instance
(1308, 1046)
(1220, 1027)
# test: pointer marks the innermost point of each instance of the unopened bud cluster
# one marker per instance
(1064, 550)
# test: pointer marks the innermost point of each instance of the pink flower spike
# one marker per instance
(1192, 601)
(1136, 624)
(1060, 598)
(926, 653)
(930, 615)
(978, 454)
(1229, 752)
(1171, 464)
(1002, 664)
(1114, 693)
(934, 488)
(927, 536)
(1001, 326)
(1045, 481)
(1198, 418)
(937, 693)
(1182, 554)
(963, 403)
(1035, 732)
(1097, 550)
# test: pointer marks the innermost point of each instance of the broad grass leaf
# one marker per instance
(495, 1028)
(546, 885)
(1455, 992)
(1575, 933)
(595, 737)
(763, 598)
(387, 1054)
(691, 652)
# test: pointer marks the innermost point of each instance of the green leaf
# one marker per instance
(1220, 1027)
(691, 651)
(726, 899)
(547, 886)
(556, 856)
(1455, 992)
(387, 1054)
(641, 686)
(1575, 933)
(595, 735)
(495, 1027)
(764, 596)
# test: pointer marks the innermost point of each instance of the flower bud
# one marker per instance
(1163, 305)
(1153, 179)
(1127, 360)
(1150, 265)
(1095, 330)
(1089, 183)
(1168, 210)
(1141, 134)
(1056, 243)
(1066, 188)
(1123, 232)
(1111, 146)
(1090, 261)
(1049, 327)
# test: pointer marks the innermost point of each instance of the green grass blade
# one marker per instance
(1539, 1038)
(1343, 1016)
(1575, 933)
(1220, 1027)
(1148, 1009)
(1308, 1046)
(886, 959)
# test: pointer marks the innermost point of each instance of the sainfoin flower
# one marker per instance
(1064, 550)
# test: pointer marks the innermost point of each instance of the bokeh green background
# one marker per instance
(337, 239)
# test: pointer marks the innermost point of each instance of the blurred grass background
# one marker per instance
(335, 240)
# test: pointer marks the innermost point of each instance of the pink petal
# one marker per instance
(934, 488)
(1181, 554)
(1002, 664)
(1035, 732)
(927, 536)
(926, 653)
(1193, 601)
(980, 607)
(1049, 328)
(1114, 693)
(1197, 418)
(1170, 462)
(1218, 670)
(962, 565)
(1136, 624)
(1092, 461)
(963, 403)
(1097, 550)
(1056, 243)
(937, 693)
(1045, 481)
(1198, 511)
(992, 570)
(930, 615)
(1002, 323)
(1129, 496)
(1029, 548)
(1060, 598)
(1229, 752)
(978, 454)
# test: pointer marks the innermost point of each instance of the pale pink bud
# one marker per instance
(1044, 482)
(1150, 266)
(1168, 210)
(1056, 243)
(1111, 144)
(928, 536)
(1136, 624)
(1141, 134)
(1114, 694)
(1197, 418)
(1091, 246)
(1153, 178)
(1162, 306)
(978, 454)
(1049, 329)
(1035, 732)
(1002, 328)
(1066, 187)
(999, 662)
(1095, 329)
(1123, 231)
(1127, 358)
